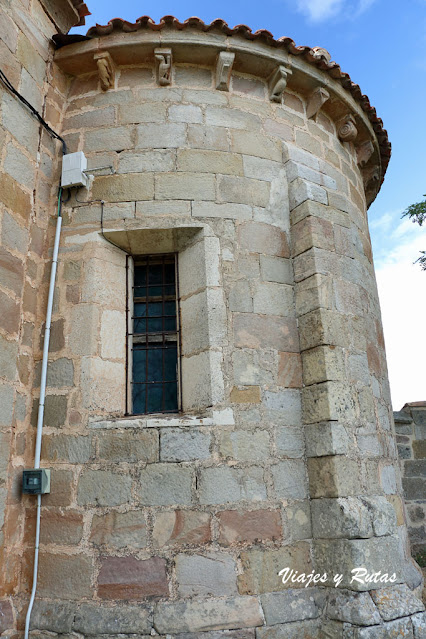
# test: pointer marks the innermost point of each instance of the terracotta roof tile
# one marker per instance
(309, 54)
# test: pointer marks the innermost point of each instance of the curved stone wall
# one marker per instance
(249, 166)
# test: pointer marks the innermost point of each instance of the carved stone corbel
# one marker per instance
(163, 59)
(278, 82)
(371, 176)
(317, 98)
(225, 60)
(346, 129)
(106, 69)
(364, 153)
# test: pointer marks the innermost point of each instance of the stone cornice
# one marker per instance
(257, 54)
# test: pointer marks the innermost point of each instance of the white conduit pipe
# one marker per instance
(42, 401)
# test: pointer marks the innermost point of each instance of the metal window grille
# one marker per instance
(153, 336)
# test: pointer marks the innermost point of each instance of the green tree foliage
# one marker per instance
(417, 214)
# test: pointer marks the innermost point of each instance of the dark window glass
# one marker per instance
(155, 336)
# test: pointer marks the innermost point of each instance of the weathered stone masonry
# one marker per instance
(256, 164)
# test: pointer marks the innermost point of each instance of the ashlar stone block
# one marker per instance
(165, 484)
(261, 568)
(213, 574)
(119, 530)
(184, 444)
(224, 484)
(335, 476)
(201, 615)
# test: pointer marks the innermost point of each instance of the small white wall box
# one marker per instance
(36, 481)
(73, 167)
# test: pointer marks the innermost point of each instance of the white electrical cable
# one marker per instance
(41, 405)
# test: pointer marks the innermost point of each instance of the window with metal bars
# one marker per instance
(154, 335)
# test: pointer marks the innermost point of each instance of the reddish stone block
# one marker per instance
(11, 271)
(290, 370)
(263, 331)
(6, 616)
(249, 527)
(182, 527)
(10, 314)
(374, 360)
(131, 578)
(14, 197)
(257, 237)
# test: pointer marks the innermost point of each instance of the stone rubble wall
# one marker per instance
(410, 426)
(29, 163)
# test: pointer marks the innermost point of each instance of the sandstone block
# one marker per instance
(231, 118)
(313, 293)
(103, 488)
(295, 170)
(209, 614)
(53, 616)
(273, 299)
(276, 269)
(129, 446)
(291, 605)
(257, 237)
(55, 410)
(65, 576)
(261, 331)
(298, 523)
(185, 113)
(8, 357)
(244, 445)
(289, 441)
(240, 297)
(165, 484)
(95, 619)
(226, 211)
(84, 323)
(179, 444)
(376, 554)
(68, 448)
(224, 484)
(131, 578)
(98, 380)
(208, 137)
(327, 401)
(199, 161)
(312, 231)
(149, 112)
(110, 139)
(11, 313)
(13, 235)
(184, 186)
(261, 169)
(290, 481)
(113, 327)
(60, 373)
(122, 188)
(6, 616)
(335, 476)
(243, 191)
(153, 161)
(211, 575)
(249, 526)
(161, 136)
(64, 484)
(247, 395)
(63, 528)
(20, 123)
(301, 190)
(90, 119)
(119, 529)
(284, 406)
(289, 370)
(11, 272)
(261, 568)
(329, 438)
(323, 327)
(180, 527)
(256, 144)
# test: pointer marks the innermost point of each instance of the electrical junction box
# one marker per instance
(73, 167)
(36, 481)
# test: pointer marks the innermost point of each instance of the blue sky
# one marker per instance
(381, 44)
